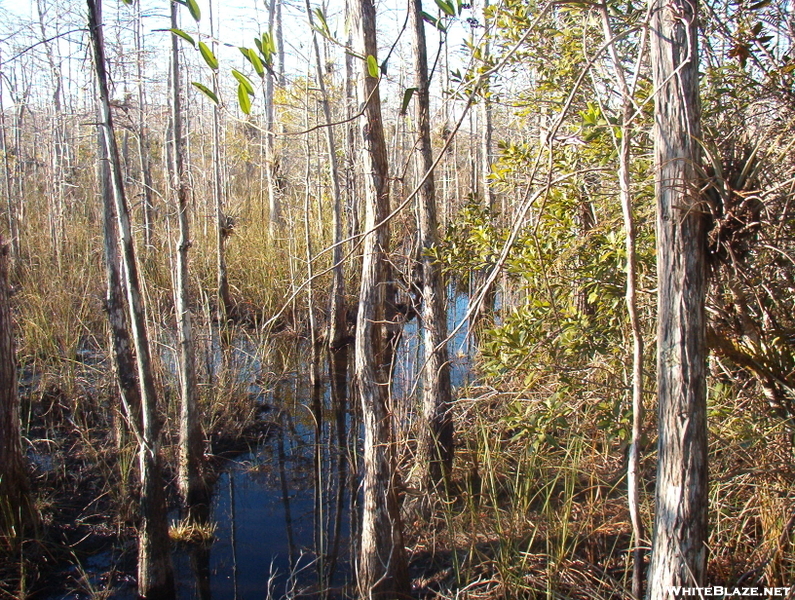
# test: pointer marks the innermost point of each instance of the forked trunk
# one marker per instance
(155, 574)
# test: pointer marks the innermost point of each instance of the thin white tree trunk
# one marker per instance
(191, 447)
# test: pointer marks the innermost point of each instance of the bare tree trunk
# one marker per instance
(271, 166)
(488, 127)
(435, 454)
(15, 509)
(122, 354)
(57, 178)
(679, 551)
(11, 202)
(625, 182)
(144, 161)
(337, 324)
(382, 571)
(223, 228)
(351, 197)
(155, 573)
(191, 447)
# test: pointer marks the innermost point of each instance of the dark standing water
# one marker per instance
(283, 511)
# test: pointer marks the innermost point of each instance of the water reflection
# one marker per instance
(285, 511)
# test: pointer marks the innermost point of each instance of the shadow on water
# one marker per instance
(285, 511)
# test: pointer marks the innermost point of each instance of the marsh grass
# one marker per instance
(189, 531)
(546, 517)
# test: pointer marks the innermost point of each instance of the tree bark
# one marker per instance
(274, 199)
(679, 552)
(382, 571)
(191, 447)
(155, 573)
(435, 455)
(15, 509)
(223, 227)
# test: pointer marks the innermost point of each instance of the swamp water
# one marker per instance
(285, 511)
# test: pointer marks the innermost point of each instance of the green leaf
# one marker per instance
(324, 29)
(433, 21)
(244, 81)
(208, 56)
(269, 42)
(206, 91)
(254, 59)
(194, 10)
(446, 7)
(406, 99)
(183, 35)
(267, 48)
(243, 99)
(372, 66)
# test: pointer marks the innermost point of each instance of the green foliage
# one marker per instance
(208, 56)
(244, 81)
(252, 57)
(372, 66)
(206, 91)
(188, 38)
(244, 99)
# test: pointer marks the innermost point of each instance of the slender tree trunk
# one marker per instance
(155, 574)
(15, 509)
(351, 197)
(122, 354)
(435, 455)
(56, 180)
(271, 168)
(625, 187)
(144, 161)
(191, 447)
(382, 571)
(223, 228)
(11, 201)
(679, 551)
(337, 324)
(488, 127)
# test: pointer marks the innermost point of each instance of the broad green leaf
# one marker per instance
(446, 7)
(433, 21)
(372, 66)
(254, 59)
(244, 81)
(406, 99)
(194, 10)
(206, 91)
(243, 99)
(183, 35)
(208, 56)
(269, 42)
